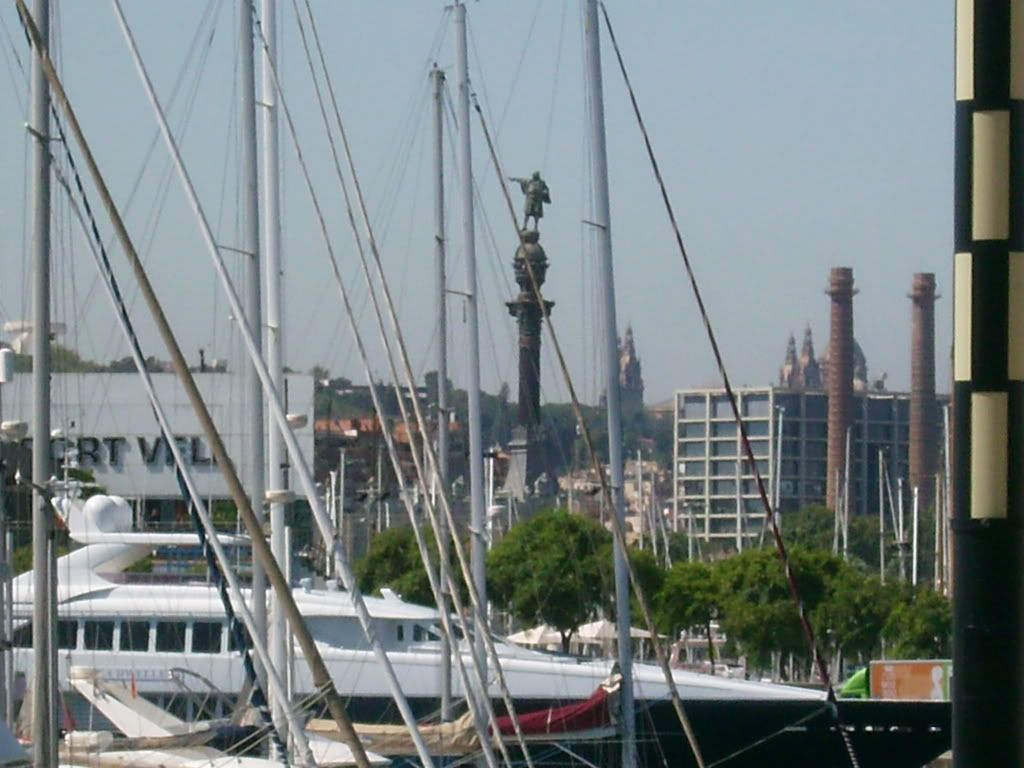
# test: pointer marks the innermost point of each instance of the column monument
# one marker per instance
(526, 445)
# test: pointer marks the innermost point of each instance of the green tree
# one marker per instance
(810, 527)
(648, 572)
(393, 561)
(679, 546)
(690, 596)
(852, 617)
(813, 527)
(920, 626)
(758, 612)
(550, 569)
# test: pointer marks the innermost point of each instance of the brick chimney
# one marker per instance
(840, 380)
(923, 442)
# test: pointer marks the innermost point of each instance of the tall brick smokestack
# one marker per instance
(923, 443)
(840, 380)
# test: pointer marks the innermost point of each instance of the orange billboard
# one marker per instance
(927, 679)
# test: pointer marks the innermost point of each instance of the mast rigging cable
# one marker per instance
(770, 520)
(309, 647)
(421, 475)
(357, 336)
(227, 587)
(584, 430)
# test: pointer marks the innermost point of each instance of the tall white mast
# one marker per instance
(440, 290)
(44, 699)
(277, 457)
(915, 518)
(846, 499)
(881, 518)
(476, 452)
(602, 222)
(253, 418)
(901, 538)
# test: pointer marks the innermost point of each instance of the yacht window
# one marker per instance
(400, 632)
(22, 636)
(99, 635)
(170, 635)
(67, 634)
(134, 635)
(206, 636)
(418, 633)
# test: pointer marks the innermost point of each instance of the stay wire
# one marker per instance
(770, 520)
(479, 667)
(480, 610)
(227, 587)
(275, 576)
(357, 336)
(204, 529)
(617, 526)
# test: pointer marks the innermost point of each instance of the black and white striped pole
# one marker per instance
(988, 389)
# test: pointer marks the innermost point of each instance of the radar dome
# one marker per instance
(106, 514)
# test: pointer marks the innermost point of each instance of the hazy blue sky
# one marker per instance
(794, 136)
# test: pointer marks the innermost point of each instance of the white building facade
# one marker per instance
(715, 492)
(107, 423)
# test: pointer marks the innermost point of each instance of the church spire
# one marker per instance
(801, 372)
(631, 380)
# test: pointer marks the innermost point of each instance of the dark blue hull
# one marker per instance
(751, 734)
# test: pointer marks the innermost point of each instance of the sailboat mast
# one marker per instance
(277, 480)
(881, 518)
(899, 530)
(253, 416)
(476, 453)
(602, 219)
(441, 477)
(915, 519)
(44, 699)
(846, 498)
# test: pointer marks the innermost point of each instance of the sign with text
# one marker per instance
(106, 419)
(928, 679)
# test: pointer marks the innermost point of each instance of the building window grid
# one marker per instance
(760, 426)
(796, 474)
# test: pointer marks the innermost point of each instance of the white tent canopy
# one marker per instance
(603, 630)
(600, 632)
(542, 635)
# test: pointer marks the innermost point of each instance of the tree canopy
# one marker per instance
(691, 596)
(556, 568)
(920, 625)
(552, 568)
(393, 561)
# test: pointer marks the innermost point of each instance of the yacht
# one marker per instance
(169, 641)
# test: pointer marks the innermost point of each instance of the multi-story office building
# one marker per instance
(715, 489)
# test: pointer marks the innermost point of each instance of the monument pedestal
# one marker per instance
(527, 448)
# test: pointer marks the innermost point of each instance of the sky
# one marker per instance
(793, 137)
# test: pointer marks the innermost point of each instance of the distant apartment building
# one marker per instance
(715, 493)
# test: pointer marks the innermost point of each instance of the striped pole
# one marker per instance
(988, 388)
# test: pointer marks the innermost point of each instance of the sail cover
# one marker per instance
(592, 714)
(590, 719)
